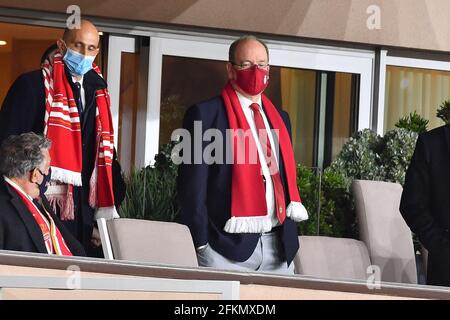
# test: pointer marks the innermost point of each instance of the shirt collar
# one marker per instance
(17, 187)
(79, 81)
(93, 80)
(246, 102)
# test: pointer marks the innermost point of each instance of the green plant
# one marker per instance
(365, 156)
(151, 191)
(330, 191)
(360, 157)
(413, 122)
(308, 184)
(444, 111)
(368, 156)
(398, 148)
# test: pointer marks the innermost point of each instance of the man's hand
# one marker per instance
(95, 238)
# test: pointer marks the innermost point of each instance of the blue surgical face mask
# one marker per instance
(77, 63)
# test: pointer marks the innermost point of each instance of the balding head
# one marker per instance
(244, 40)
(84, 40)
(85, 26)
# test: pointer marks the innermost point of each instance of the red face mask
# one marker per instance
(253, 80)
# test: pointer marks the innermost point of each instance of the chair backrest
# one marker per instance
(150, 241)
(332, 258)
(384, 231)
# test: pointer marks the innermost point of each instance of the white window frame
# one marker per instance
(117, 45)
(397, 61)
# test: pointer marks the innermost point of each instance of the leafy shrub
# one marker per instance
(329, 193)
(360, 157)
(444, 111)
(413, 122)
(398, 148)
(151, 191)
(365, 156)
(368, 156)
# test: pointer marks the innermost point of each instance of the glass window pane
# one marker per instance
(342, 112)
(128, 103)
(186, 81)
(413, 89)
(298, 91)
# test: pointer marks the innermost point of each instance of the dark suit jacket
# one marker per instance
(204, 193)
(425, 203)
(23, 111)
(19, 231)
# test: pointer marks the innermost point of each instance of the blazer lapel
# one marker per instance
(30, 223)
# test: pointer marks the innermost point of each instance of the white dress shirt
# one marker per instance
(82, 93)
(248, 112)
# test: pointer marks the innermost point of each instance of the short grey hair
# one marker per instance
(235, 44)
(22, 153)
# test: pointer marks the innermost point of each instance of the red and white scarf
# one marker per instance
(248, 213)
(62, 127)
(53, 239)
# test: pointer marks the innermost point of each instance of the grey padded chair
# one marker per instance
(383, 230)
(147, 241)
(335, 258)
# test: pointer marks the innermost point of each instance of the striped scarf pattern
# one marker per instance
(63, 128)
(248, 213)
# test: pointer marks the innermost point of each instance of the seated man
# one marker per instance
(27, 224)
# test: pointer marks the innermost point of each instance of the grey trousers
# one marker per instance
(265, 258)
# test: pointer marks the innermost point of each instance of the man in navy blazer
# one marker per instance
(425, 202)
(205, 189)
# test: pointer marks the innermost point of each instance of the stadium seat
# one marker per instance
(332, 258)
(147, 241)
(384, 231)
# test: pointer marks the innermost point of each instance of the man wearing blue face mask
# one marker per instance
(67, 100)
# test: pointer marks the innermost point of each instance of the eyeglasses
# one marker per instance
(248, 65)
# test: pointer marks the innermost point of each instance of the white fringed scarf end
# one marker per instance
(248, 224)
(296, 211)
(66, 176)
(108, 213)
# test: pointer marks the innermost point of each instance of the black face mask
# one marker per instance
(46, 179)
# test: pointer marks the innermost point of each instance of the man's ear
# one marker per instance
(34, 176)
(230, 71)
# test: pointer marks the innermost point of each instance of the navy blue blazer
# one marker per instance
(425, 202)
(204, 193)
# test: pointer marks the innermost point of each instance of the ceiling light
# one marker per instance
(3, 43)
